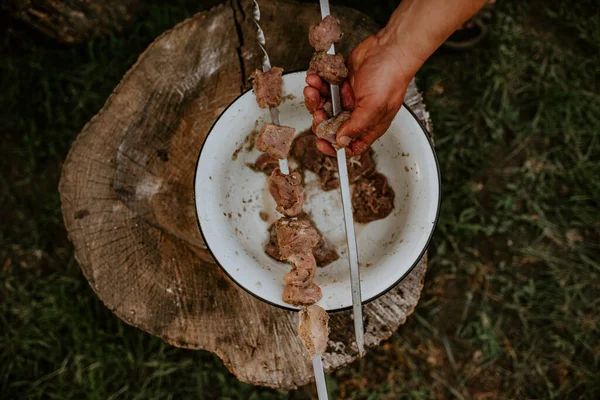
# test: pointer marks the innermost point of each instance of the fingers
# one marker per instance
(318, 117)
(312, 99)
(361, 144)
(347, 95)
(360, 122)
(357, 147)
(364, 126)
(317, 83)
(325, 147)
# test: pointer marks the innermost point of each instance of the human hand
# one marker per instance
(374, 92)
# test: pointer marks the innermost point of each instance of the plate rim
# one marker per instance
(364, 302)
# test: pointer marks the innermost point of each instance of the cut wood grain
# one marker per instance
(127, 197)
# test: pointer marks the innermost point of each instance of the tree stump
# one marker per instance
(127, 186)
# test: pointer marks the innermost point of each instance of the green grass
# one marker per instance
(510, 306)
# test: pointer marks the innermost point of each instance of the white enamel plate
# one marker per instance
(235, 209)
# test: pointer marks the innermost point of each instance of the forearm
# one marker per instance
(418, 27)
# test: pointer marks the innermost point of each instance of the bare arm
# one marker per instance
(382, 65)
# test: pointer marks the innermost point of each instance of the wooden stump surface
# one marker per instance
(127, 185)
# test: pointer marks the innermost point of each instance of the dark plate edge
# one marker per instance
(364, 302)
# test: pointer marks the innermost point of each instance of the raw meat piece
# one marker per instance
(329, 67)
(304, 150)
(275, 140)
(265, 163)
(329, 128)
(272, 248)
(328, 108)
(299, 296)
(322, 35)
(313, 329)
(372, 198)
(324, 252)
(287, 192)
(330, 178)
(303, 272)
(267, 87)
(361, 166)
(296, 237)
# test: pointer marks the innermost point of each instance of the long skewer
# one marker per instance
(317, 363)
(348, 217)
(274, 111)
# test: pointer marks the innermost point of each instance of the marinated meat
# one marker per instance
(322, 35)
(328, 129)
(272, 248)
(313, 329)
(361, 166)
(329, 67)
(287, 192)
(275, 140)
(328, 108)
(330, 178)
(372, 198)
(303, 272)
(305, 152)
(296, 237)
(301, 296)
(324, 252)
(265, 163)
(267, 87)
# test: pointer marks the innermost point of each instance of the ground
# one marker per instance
(511, 299)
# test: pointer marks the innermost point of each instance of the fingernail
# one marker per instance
(344, 140)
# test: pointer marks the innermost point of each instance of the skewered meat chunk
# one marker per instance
(329, 67)
(267, 87)
(296, 237)
(272, 248)
(301, 296)
(372, 198)
(265, 163)
(322, 35)
(313, 329)
(328, 108)
(303, 272)
(328, 129)
(275, 140)
(286, 190)
(324, 252)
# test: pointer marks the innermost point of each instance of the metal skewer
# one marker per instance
(317, 363)
(348, 217)
(274, 111)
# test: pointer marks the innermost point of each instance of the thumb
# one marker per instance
(359, 123)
